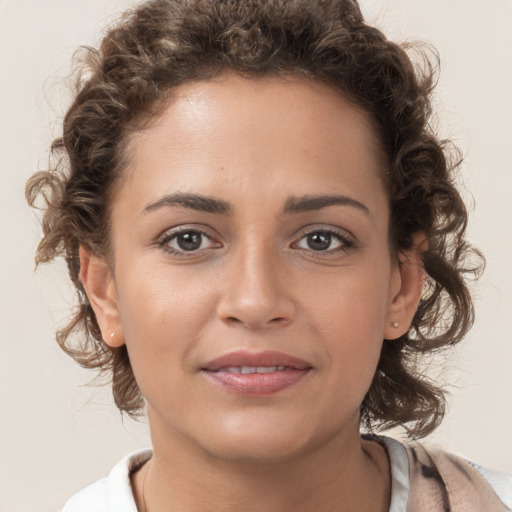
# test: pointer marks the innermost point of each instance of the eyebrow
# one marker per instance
(192, 201)
(292, 204)
(310, 203)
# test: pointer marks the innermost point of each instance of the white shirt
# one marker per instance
(114, 493)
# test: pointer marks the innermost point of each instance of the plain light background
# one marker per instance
(57, 435)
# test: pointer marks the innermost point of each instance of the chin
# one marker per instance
(258, 442)
(262, 450)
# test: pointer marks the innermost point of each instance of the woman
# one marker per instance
(265, 237)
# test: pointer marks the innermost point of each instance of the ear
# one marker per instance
(98, 283)
(407, 284)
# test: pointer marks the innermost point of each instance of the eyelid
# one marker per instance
(171, 233)
(346, 238)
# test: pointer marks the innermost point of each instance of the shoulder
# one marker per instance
(112, 493)
(443, 481)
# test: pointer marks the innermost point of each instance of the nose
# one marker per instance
(255, 294)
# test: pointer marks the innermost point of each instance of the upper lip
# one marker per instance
(241, 358)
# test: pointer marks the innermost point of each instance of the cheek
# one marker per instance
(352, 302)
(156, 297)
(162, 316)
(350, 315)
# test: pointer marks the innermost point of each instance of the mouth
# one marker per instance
(256, 374)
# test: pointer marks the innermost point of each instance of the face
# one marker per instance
(253, 281)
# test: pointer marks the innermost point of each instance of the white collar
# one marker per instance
(114, 493)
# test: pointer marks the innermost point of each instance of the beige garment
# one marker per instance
(442, 482)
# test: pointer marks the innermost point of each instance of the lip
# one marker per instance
(220, 372)
(267, 358)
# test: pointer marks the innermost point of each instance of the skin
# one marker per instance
(256, 282)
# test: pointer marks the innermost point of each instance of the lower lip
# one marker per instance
(256, 384)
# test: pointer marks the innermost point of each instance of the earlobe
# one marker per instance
(98, 284)
(409, 276)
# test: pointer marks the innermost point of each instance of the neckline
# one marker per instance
(399, 466)
(395, 450)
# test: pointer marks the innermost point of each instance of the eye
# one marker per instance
(187, 241)
(324, 240)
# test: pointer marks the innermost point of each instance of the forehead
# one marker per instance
(260, 132)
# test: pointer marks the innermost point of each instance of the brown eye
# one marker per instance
(319, 241)
(324, 240)
(189, 240)
(183, 241)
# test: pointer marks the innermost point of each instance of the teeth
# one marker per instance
(254, 369)
(266, 369)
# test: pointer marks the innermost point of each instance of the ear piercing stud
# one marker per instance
(394, 324)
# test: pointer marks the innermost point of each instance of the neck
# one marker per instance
(347, 474)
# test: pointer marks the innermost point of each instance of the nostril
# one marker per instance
(233, 320)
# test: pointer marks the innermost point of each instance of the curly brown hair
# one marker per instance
(165, 43)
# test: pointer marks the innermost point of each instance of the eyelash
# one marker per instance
(346, 244)
(174, 234)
